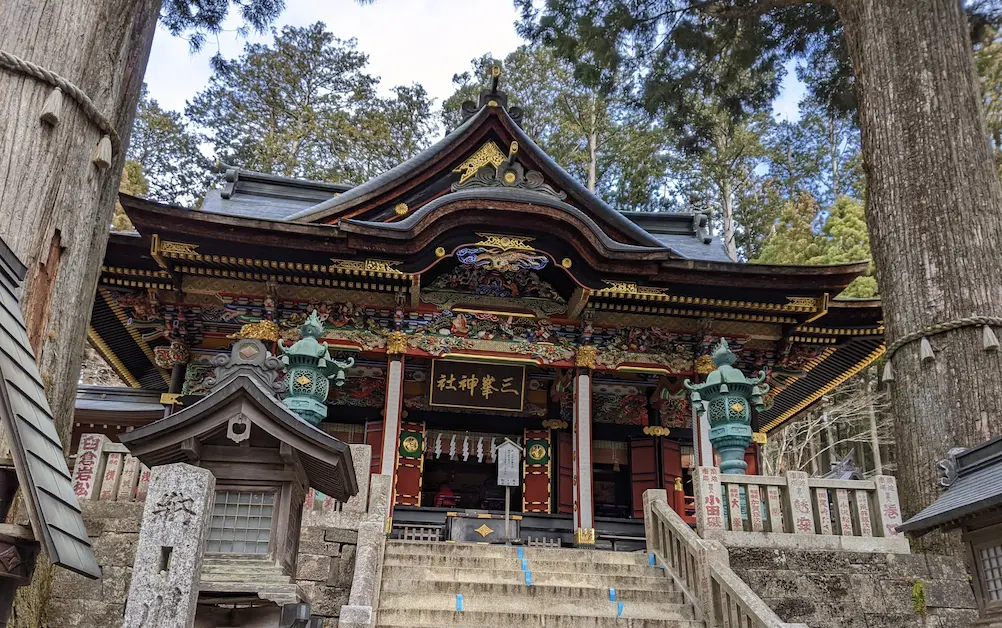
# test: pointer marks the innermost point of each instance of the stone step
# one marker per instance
(521, 590)
(555, 617)
(653, 580)
(535, 564)
(476, 601)
(412, 548)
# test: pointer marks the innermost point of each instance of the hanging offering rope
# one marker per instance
(989, 340)
(19, 65)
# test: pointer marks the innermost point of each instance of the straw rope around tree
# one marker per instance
(110, 143)
(989, 340)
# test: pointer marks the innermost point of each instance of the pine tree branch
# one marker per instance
(716, 8)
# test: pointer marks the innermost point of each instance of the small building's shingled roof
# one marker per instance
(117, 399)
(327, 460)
(271, 197)
(42, 473)
(976, 490)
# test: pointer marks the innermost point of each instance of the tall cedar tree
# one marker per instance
(167, 154)
(305, 107)
(56, 203)
(934, 197)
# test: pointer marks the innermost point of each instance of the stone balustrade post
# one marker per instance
(88, 470)
(651, 531)
(888, 513)
(709, 500)
(165, 574)
(797, 503)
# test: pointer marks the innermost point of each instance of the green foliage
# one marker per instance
(596, 135)
(305, 107)
(197, 18)
(166, 152)
(133, 183)
(842, 239)
(919, 604)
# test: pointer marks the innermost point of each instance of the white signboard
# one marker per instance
(508, 464)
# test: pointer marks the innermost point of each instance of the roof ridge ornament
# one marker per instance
(492, 97)
(509, 174)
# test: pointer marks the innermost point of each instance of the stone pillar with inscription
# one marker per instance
(584, 499)
(165, 574)
(89, 468)
(396, 347)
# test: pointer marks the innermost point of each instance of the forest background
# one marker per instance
(777, 191)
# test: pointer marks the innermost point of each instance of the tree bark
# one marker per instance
(727, 204)
(55, 205)
(934, 209)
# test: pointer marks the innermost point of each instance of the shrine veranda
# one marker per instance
(484, 294)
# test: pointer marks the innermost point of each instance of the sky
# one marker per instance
(424, 41)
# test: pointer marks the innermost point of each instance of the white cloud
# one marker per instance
(423, 41)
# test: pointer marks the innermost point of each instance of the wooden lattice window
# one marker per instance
(985, 556)
(990, 565)
(242, 522)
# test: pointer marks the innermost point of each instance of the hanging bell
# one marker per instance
(925, 351)
(989, 341)
(53, 107)
(102, 153)
(723, 388)
(888, 375)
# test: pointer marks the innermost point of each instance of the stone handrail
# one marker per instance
(106, 471)
(795, 511)
(360, 611)
(701, 570)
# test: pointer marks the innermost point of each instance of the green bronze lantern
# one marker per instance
(309, 367)
(729, 396)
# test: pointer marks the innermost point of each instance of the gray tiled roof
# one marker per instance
(42, 473)
(978, 488)
(250, 194)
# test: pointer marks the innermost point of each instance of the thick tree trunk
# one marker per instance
(934, 209)
(727, 204)
(55, 205)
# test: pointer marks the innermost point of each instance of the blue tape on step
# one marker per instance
(619, 610)
(525, 565)
(521, 552)
(612, 595)
(459, 602)
(528, 578)
(650, 558)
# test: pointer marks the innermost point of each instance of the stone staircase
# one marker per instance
(228, 577)
(491, 586)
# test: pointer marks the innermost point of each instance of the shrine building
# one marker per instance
(484, 295)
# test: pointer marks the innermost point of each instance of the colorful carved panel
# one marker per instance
(536, 471)
(620, 409)
(410, 464)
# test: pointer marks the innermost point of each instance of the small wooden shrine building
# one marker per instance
(484, 294)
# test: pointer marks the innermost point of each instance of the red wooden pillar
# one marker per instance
(536, 471)
(410, 464)
(374, 439)
(565, 472)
